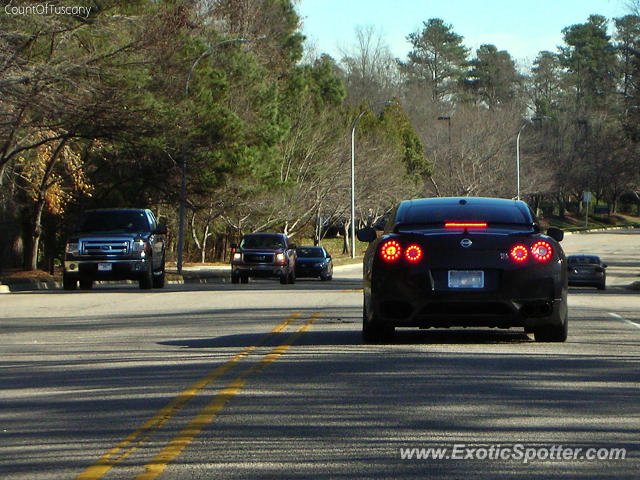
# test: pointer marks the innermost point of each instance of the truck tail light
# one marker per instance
(542, 251)
(390, 251)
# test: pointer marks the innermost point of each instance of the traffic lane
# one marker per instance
(66, 398)
(618, 249)
(334, 408)
(114, 300)
(125, 408)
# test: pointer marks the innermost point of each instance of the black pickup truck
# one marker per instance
(264, 255)
(116, 244)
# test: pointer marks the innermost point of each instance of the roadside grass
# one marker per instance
(570, 223)
(335, 245)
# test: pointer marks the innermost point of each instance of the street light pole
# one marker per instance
(526, 122)
(183, 190)
(353, 177)
(353, 183)
(518, 160)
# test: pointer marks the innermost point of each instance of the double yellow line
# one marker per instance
(152, 469)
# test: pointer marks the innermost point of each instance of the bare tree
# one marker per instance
(371, 73)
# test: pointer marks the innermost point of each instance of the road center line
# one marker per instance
(156, 466)
(142, 434)
(615, 315)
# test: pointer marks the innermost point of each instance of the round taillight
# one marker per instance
(413, 253)
(519, 253)
(542, 251)
(391, 251)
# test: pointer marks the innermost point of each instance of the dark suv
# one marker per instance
(264, 255)
(116, 244)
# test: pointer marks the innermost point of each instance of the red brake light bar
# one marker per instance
(465, 225)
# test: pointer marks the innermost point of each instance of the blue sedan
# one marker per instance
(314, 262)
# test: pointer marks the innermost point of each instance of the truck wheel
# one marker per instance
(69, 283)
(159, 278)
(146, 280)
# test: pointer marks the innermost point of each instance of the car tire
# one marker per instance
(557, 331)
(86, 284)
(373, 332)
(146, 280)
(235, 278)
(69, 283)
(159, 279)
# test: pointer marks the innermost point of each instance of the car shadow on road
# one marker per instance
(611, 290)
(354, 337)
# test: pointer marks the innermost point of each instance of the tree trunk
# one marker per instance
(345, 245)
(31, 262)
(317, 229)
(36, 232)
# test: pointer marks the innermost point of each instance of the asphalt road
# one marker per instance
(265, 381)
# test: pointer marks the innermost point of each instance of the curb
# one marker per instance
(603, 229)
(57, 285)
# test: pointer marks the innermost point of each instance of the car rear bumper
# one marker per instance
(491, 313)
(509, 299)
(310, 271)
(586, 280)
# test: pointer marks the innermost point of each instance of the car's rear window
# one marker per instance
(310, 252)
(582, 260)
(439, 214)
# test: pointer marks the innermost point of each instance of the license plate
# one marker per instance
(104, 267)
(466, 279)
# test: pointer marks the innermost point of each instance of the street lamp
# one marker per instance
(353, 177)
(526, 122)
(183, 191)
(518, 160)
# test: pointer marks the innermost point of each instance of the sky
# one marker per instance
(522, 27)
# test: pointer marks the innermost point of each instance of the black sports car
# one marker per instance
(314, 262)
(587, 270)
(444, 262)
